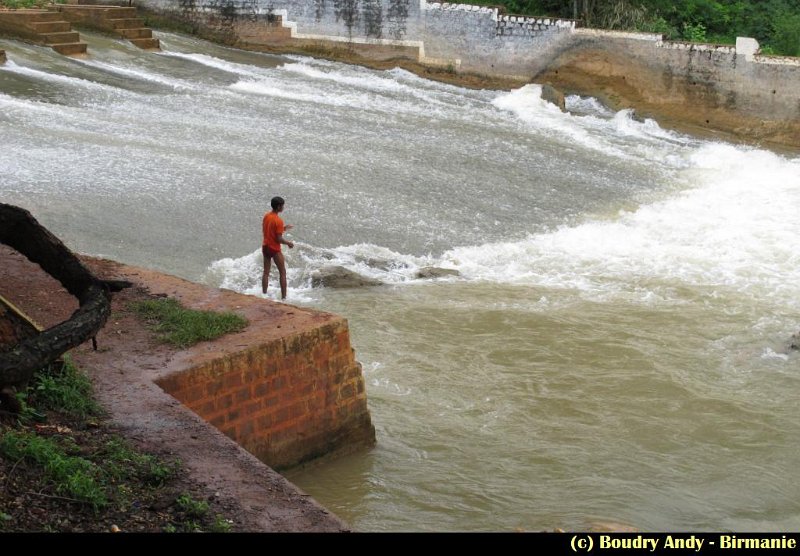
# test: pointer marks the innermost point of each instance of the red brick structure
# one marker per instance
(287, 400)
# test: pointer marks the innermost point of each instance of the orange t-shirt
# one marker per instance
(272, 227)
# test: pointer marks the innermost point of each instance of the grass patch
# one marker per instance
(191, 507)
(183, 327)
(73, 476)
(98, 478)
(62, 469)
(123, 463)
(62, 387)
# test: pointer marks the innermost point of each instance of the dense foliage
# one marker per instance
(21, 4)
(774, 23)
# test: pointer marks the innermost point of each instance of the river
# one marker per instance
(615, 348)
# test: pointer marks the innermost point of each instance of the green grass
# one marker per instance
(121, 462)
(75, 468)
(191, 507)
(73, 476)
(62, 387)
(220, 525)
(93, 479)
(193, 511)
(183, 327)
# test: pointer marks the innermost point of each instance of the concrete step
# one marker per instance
(280, 33)
(51, 26)
(70, 48)
(60, 38)
(143, 33)
(127, 23)
(147, 44)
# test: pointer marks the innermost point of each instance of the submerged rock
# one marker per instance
(436, 272)
(340, 277)
(554, 96)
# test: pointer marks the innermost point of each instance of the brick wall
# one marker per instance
(286, 401)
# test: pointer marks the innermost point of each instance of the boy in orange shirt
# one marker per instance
(273, 229)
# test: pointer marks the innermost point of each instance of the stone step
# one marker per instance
(280, 32)
(51, 26)
(143, 33)
(60, 38)
(147, 44)
(70, 48)
(127, 23)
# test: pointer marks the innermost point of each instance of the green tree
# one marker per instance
(773, 23)
(786, 35)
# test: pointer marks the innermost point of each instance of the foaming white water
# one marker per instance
(12, 67)
(217, 63)
(23, 107)
(336, 92)
(527, 104)
(243, 274)
(366, 81)
(586, 105)
(737, 229)
(595, 129)
(135, 73)
(270, 88)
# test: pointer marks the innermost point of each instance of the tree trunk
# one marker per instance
(20, 230)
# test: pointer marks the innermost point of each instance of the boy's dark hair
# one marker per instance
(276, 202)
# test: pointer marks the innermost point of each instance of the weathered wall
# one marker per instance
(467, 37)
(711, 86)
(286, 401)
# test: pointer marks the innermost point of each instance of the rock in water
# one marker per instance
(340, 277)
(554, 96)
(436, 272)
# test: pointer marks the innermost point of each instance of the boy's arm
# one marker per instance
(286, 242)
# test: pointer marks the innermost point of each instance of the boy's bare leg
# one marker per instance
(280, 262)
(265, 276)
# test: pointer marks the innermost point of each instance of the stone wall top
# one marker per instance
(699, 47)
(776, 60)
(652, 37)
(542, 21)
(424, 5)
